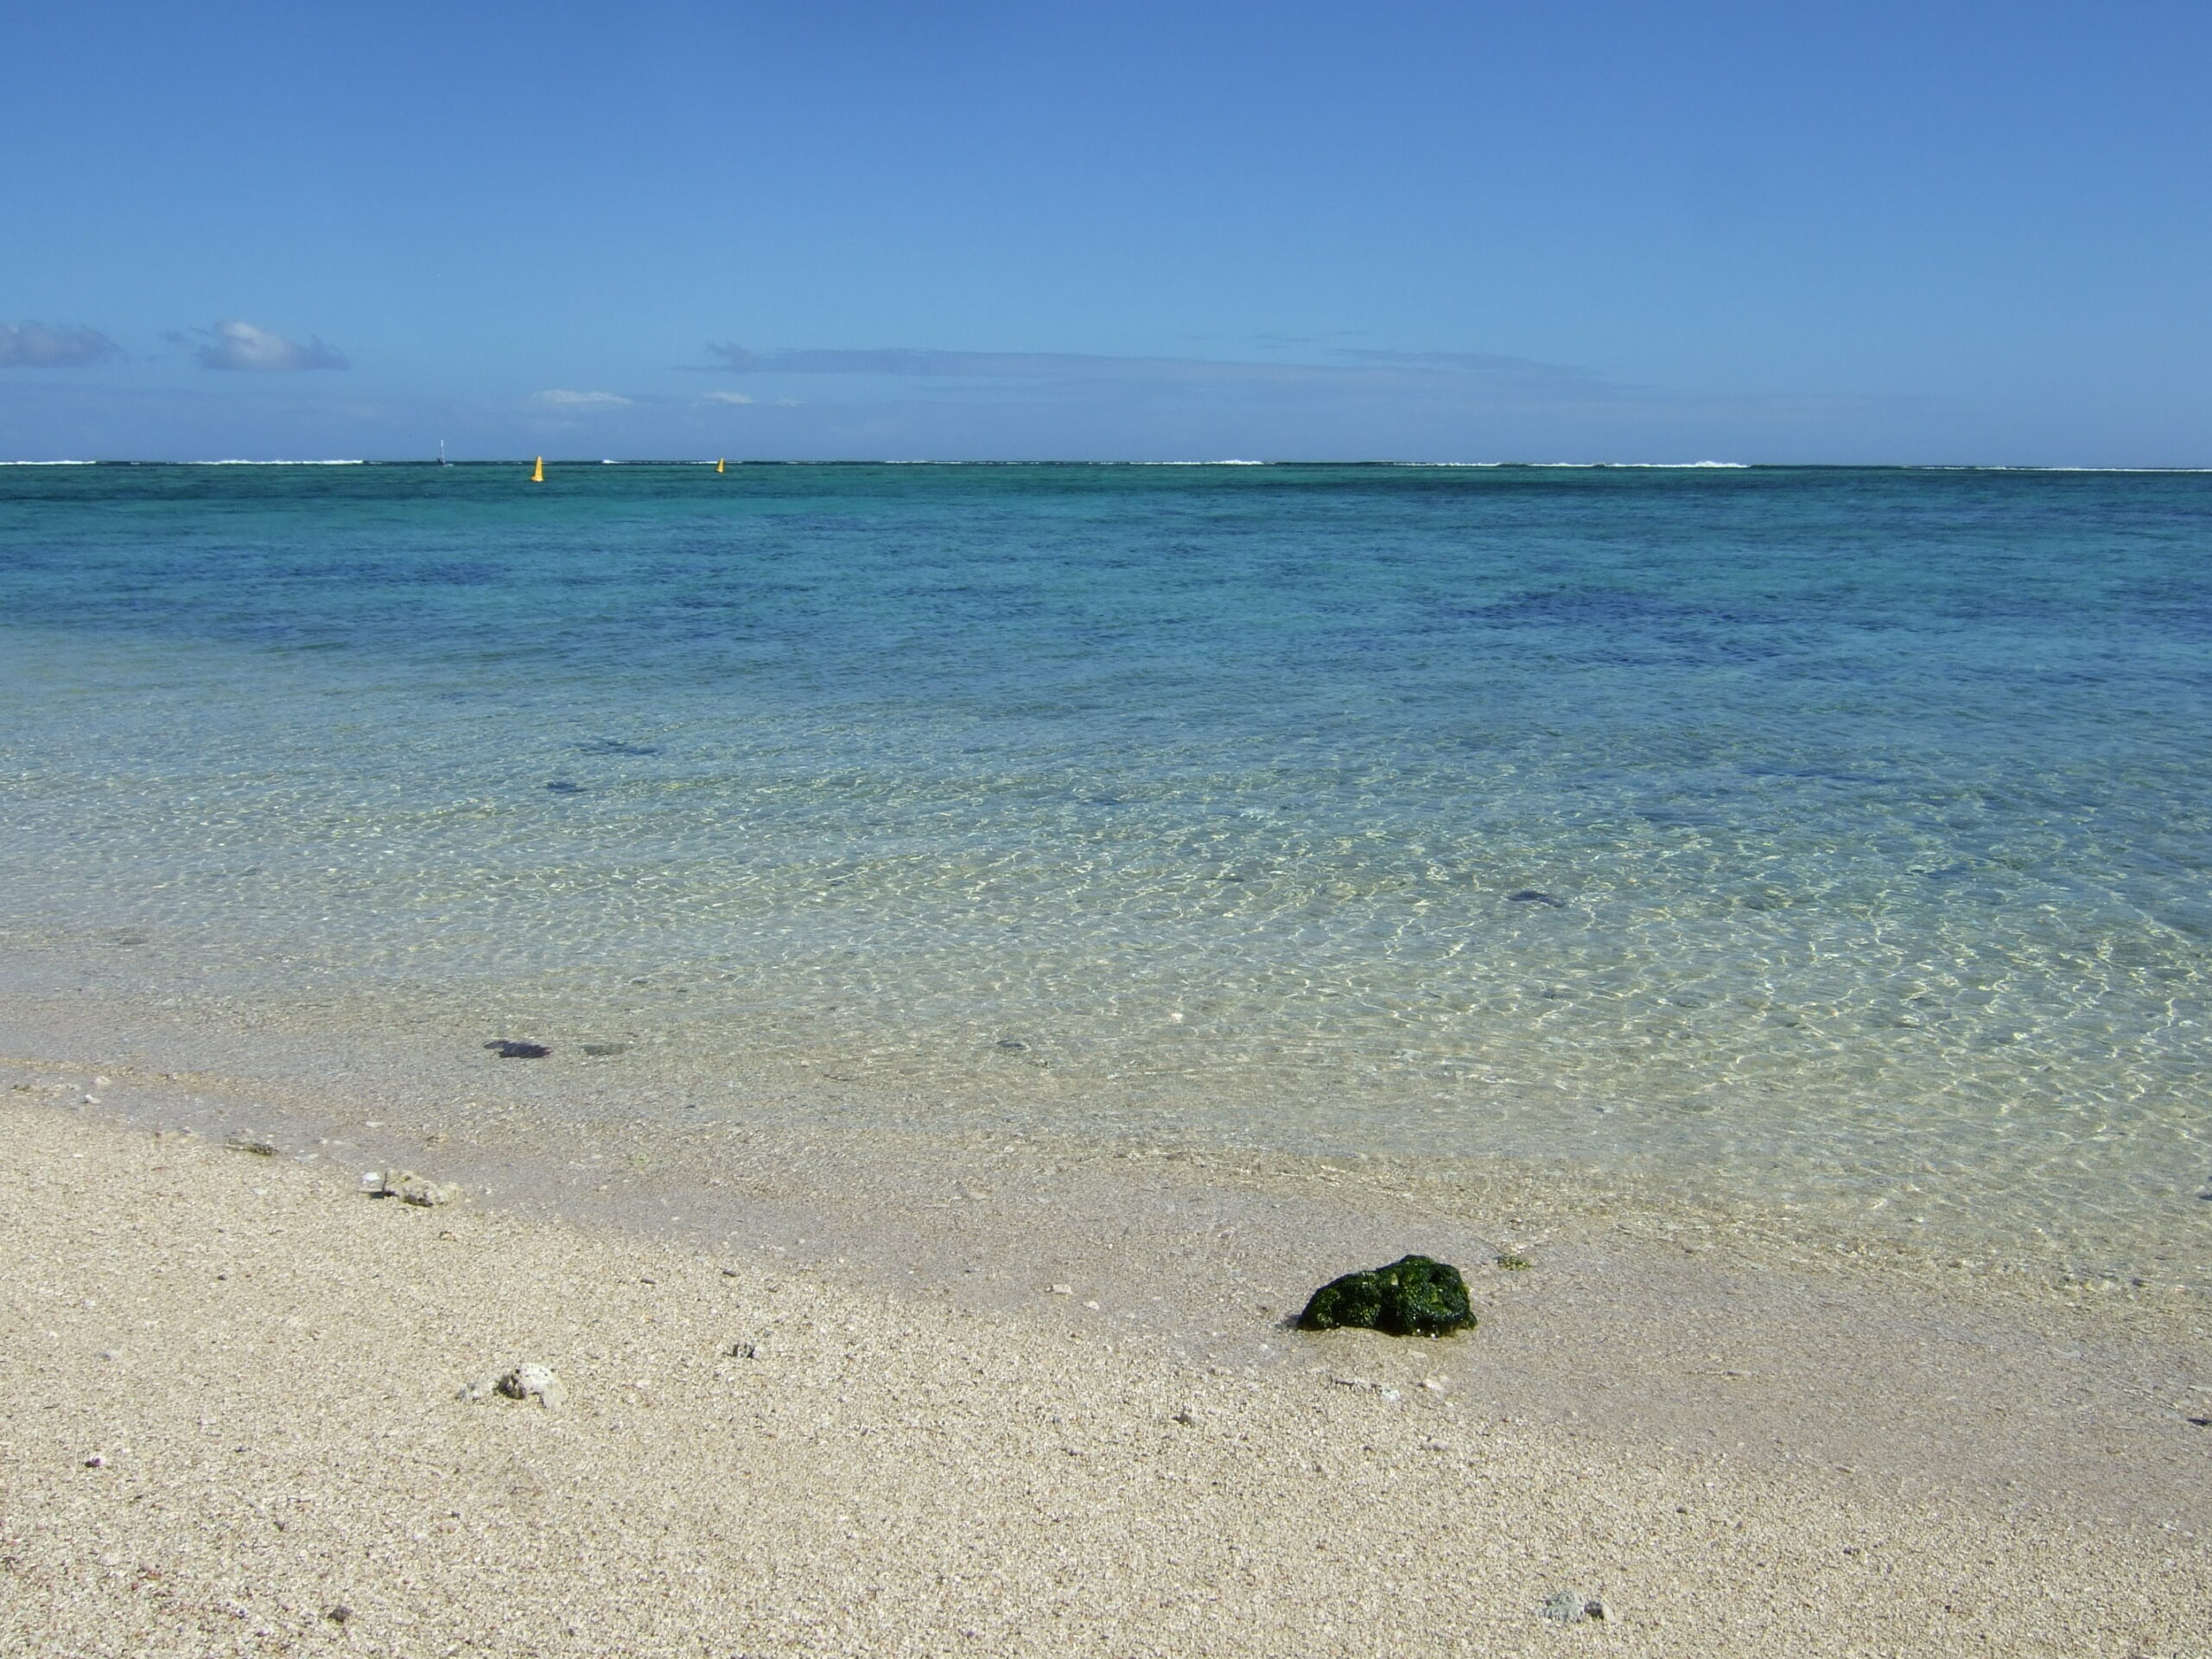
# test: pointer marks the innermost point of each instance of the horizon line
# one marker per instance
(1370, 461)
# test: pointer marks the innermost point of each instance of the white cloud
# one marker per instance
(576, 402)
(725, 397)
(36, 346)
(241, 346)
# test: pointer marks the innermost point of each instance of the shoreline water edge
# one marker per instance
(859, 1393)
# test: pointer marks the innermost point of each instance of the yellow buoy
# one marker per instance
(721, 466)
(538, 477)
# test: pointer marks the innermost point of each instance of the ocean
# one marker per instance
(1825, 842)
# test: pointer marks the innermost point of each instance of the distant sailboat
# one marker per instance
(538, 477)
(442, 461)
(721, 466)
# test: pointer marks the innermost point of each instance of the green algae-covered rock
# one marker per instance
(1412, 1297)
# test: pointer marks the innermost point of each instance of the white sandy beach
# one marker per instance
(232, 1408)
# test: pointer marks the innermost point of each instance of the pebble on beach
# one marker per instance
(509, 1049)
(1414, 1296)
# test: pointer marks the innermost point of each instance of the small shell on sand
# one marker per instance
(537, 1383)
(1572, 1607)
(409, 1188)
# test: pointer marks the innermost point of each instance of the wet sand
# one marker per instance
(1008, 1397)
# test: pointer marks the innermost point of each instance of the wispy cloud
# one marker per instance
(726, 398)
(577, 403)
(1272, 342)
(237, 344)
(42, 345)
(1449, 374)
(1454, 362)
(1332, 395)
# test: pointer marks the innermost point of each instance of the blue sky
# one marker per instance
(1933, 233)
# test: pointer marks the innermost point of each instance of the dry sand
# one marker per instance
(230, 1407)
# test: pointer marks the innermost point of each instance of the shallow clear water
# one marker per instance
(1835, 837)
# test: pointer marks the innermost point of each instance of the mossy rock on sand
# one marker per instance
(1414, 1296)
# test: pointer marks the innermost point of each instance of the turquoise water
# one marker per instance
(1837, 838)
